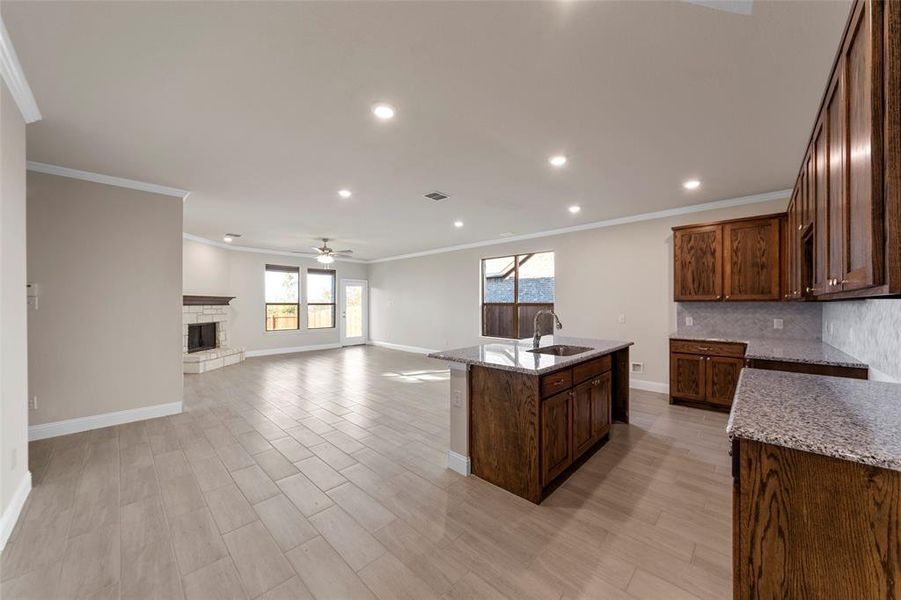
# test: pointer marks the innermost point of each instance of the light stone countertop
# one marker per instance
(812, 352)
(852, 419)
(514, 355)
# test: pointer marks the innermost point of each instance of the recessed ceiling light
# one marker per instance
(383, 111)
(575, 208)
(691, 184)
(458, 223)
(558, 160)
(345, 193)
(230, 237)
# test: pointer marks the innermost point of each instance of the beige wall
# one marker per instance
(13, 312)
(219, 271)
(107, 333)
(433, 301)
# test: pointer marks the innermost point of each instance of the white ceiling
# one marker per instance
(262, 110)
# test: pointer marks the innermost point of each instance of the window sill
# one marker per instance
(282, 331)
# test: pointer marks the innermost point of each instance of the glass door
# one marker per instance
(354, 311)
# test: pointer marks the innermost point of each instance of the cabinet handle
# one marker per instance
(728, 296)
(843, 281)
(800, 227)
(556, 383)
(705, 348)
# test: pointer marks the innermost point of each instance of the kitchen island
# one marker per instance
(524, 418)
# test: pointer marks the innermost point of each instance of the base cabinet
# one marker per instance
(527, 433)
(722, 379)
(808, 526)
(705, 373)
(591, 413)
(556, 440)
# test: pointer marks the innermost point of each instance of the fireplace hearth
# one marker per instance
(201, 336)
(205, 334)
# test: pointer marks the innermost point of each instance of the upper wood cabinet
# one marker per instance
(729, 260)
(751, 259)
(698, 255)
(845, 218)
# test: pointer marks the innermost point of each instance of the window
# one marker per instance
(282, 298)
(514, 289)
(320, 298)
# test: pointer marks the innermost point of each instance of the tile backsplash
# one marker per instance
(869, 330)
(752, 319)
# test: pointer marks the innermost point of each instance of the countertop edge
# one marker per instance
(855, 364)
(542, 371)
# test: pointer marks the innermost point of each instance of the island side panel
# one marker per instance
(811, 526)
(620, 401)
(503, 430)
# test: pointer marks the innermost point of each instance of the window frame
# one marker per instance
(516, 303)
(266, 305)
(333, 303)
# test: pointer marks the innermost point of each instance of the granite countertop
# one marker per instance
(514, 355)
(851, 419)
(812, 352)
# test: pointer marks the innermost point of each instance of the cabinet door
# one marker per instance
(722, 377)
(792, 244)
(698, 269)
(601, 396)
(556, 447)
(687, 376)
(582, 400)
(835, 149)
(863, 233)
(821, 209)
(751, 260)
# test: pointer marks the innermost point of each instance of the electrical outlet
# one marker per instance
(689, 322)
(14, 458)
(777, 323)
(458, 399)
(637, 367)
(34, 402)
(621, 319)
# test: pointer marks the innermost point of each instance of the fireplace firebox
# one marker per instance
(201, 336)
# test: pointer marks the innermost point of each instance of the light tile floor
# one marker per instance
(322, 475)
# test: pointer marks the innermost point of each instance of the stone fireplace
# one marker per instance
(205, 334)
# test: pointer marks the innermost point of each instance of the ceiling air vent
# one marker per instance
(436, 196)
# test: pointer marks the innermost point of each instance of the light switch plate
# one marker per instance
(689, 321)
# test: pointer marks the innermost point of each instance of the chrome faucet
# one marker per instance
(536, 336)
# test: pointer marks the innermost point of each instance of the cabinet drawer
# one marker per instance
(707, 348)
(591, 368)
(556, 382)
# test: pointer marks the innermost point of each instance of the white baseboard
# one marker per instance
(458, 462)
(290, 350)
(401, 347)
(649, 386)
(12, 512)
(57, 428)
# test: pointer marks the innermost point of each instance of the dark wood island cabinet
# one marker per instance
(533, 425)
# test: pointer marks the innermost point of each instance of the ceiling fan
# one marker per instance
(326, 255)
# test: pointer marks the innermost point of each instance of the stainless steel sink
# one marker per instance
(560, 350)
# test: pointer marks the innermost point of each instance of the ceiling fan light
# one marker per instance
(325, 259)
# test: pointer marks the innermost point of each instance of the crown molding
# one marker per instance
(255, 250)
(14, 76)
(650, 216)
(142, 186)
